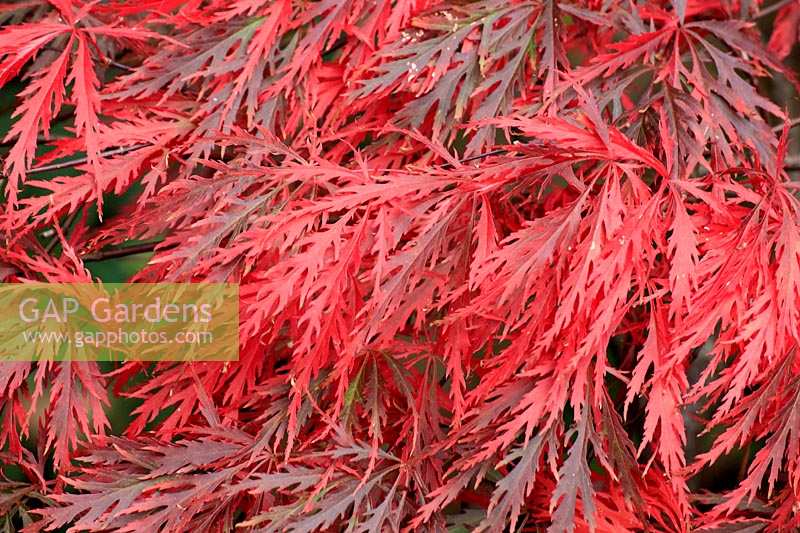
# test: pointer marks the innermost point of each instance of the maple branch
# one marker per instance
(771, 9)
(67, 224)
(120, 66)
(80, 160)
(499, 151)
(124, 251)
(745, 462)
(792, 123)
(39, 139)
(114, 253)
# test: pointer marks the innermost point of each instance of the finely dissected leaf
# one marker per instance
(43, 100)
(85, 84)
(574, 478)
(513, 489)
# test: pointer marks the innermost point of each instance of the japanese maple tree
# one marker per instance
(503, 266)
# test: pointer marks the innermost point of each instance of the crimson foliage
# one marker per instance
(503, 265)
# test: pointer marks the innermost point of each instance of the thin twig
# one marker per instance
(67, 224)
(499, 151)
(125, 251)
(771, 9)
(792, 123)
(84, 159)
(745, 462)
(39, 139)
(116, 253)
(120, 65)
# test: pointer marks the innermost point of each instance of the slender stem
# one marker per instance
(481, 156)
(39, 139)
(67, 224)
(743, 467)
(125, 251)
(84, 159)
(115, 253)
(120, 65)
(499, 151)
(771, 9)
(792, 123)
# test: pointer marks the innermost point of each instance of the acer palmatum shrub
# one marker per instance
(504, 266)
